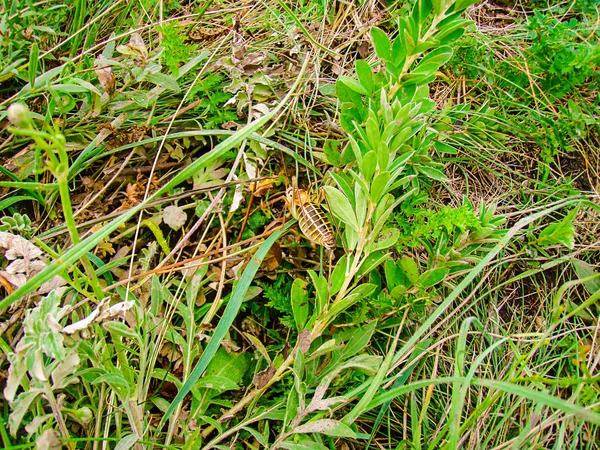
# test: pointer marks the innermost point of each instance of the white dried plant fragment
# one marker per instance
(174, 216)
(26, 261)
(100, 314)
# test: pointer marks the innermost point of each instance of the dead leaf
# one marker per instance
(26, 261)
(48, 440)
(262, 378)
(99, 314)
(136, 48)
(260, 188)
(106, 77)
(174, 216)
(304, 341)
(273, 258)
(238, 196)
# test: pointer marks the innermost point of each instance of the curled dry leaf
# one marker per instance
(26, 261)
(101, 313)
(106, 77)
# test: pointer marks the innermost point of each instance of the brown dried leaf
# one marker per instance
(106, 77)
(304, 341)
(262, 378)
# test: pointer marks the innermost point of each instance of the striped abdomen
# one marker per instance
(311, 219)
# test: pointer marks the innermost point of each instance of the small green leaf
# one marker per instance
(120, 329)
(365, 75)
(163, 80)
(432, 173)
(34, 58)
(299, 296)
(398, 52)
(559, 233)
(371, 262)
(382, 44)
(445, 148)
(359, 340)
(391, 278)
(379, 185)
(353, 84)
(338, 276)
(461, 5)
(584, 270)
(321, 290)
(386, 239)
(432, 277)
(369, 165)
(410, 269)
(341, 207)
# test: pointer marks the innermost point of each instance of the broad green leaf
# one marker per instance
(338, 275)
(371, 262)
(382, 44)
(232, 366)
(410, 269)
(389, 269)
(386, 239)
(127, 442)
(365, 75)
(398, 52)
(445, 148)
(303, 445)
(328, 427)
(379, 186)
(353, 84)
(120, 329)
(321, 290)
(163, 80)
(369, 165)
(359, 340)
(432, 277)
(341, 207)
(432, 173)
(461, 5)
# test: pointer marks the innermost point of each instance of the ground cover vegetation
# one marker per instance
(157, 292)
